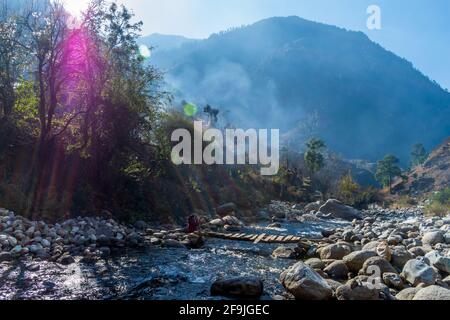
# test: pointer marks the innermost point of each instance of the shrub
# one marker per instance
(352, 194)
(440, 203)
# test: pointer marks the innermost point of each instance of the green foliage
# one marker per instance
(387, 170)
(314, 158)
(352, 194)
(418, 155)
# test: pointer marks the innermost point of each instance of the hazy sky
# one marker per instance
(418, 30)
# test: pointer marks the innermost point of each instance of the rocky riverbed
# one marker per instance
(349, 255)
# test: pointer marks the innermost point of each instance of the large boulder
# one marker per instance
(284, 253)
(355, 260)
(417, 272)
(433, 237)
(400, 256)
(226, 209)
(358, 290)
(438, 261)
(334, 209)
(407, 294)
(245, 287)
(335, 251)
(433, 293)
(377, 266)
(315, 263)
(337, 270)
(305, 284)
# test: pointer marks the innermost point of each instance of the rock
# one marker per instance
(241, 287)
(305, 284)
(407, 294)
(384, 251)
(400, 256)
(335, 251)
(5, 256)
(194, 241)
(417, 252)
(315, 263)
(276, 225)
(433, 293)
(358, 290)
(438, 261)
(418, 272)
(434, 237)
(66, 260)
(141, 225)
(232, 221)
(313, 206)
(334, 209)
(226, 209)
(393, 280)
(377, 266)
(337, 270)
(371, 246)
(284, 253)
(355, 260)
(217, 222)
(170, 243)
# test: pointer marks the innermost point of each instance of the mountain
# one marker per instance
(433, 175)
(279, 72)
(161, 42)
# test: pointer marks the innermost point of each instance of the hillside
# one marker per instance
(278, 72)
(434, 175)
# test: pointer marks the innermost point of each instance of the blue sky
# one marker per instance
(417, 30)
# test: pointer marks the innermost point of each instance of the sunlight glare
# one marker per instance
(76, 7)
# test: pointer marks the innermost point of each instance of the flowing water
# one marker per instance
(156, 273)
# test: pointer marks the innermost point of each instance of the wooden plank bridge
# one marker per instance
(256, 238)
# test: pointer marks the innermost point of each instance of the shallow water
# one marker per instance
(156, 273)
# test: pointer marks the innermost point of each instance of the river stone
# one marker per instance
(384, 251)
(355, 260)
(357, 290)
(417, 252)
(407, 294)
(438, 261)
(334, 209)
(245, 287)
(66, 260)
(284, 253)
(417, 272)
(305, 284)
(315, 263)
(433, 293)
(337, 270)
(5, 256)
(335, 251)
(393, 280)
(377, 265)
(400, 256)
(226, 209)
(434, 237)
(371, 246)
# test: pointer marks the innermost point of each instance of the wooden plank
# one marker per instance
(279, 239)
(260, 237)
(254, 237)
(288, 238)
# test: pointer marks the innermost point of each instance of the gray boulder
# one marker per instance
(438, 261)
(305, 284)
(334, 209)
(433, 237)
(358, 290)
(355, 260)
(417, 272)
(335, 251)
(433, 293)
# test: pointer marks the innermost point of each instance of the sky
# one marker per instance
(418, 30)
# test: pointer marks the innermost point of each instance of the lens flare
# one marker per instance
(145, 52)
(190, 109)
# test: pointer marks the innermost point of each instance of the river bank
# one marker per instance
(102, 259)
